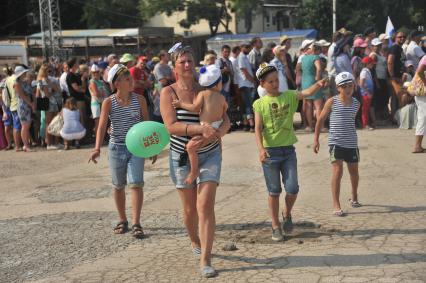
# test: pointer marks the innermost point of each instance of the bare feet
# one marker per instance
(190, 178)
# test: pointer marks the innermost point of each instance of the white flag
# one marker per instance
(390, 30)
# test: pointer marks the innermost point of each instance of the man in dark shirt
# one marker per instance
(396, 60)
(77, 87)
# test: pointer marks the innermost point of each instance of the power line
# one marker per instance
(104, 10)
(17, 20)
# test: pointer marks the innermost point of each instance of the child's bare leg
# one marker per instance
(191, 148)
(335, 183)
(353, 172)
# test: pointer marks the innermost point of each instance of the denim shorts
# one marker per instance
(16, 121)
(9, 120)
(125, 167)
(282, 160)
(209, 163)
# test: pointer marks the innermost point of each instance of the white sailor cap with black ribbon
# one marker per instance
(264, 69)
(175, 48)
(344, 78)
(209, 76)
(116, 71)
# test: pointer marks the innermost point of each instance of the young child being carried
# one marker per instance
(212, 105)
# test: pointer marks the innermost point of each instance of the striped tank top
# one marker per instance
(178, 143)
(123, 118)
(342, 124)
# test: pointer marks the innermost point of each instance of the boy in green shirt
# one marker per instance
(275, 138)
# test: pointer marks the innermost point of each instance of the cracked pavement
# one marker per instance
(57, 214)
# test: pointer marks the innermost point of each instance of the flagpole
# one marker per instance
(334, 16)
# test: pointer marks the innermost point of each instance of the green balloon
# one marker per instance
(146, 139)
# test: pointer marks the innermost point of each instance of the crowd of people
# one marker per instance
(353, 81)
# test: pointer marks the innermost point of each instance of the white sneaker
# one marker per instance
(52, 147)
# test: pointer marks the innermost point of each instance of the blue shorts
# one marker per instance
(282, 162)
(125, 167)
(209, 163)
(16, 121)
(9, 120)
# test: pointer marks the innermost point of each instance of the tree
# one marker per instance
(214, 11)
(245, 9)
(110, 13)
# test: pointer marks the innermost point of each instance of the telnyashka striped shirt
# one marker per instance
(123, 118)
(178, 143)
(342, 124)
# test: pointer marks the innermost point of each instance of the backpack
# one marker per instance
(5, 96)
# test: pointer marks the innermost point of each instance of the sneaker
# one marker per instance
(277, 235)
(51, 147)
(287, 225)
(208, 272)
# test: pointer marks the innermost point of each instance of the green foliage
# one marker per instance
(356, 15)
(110, 13)
(214, 11)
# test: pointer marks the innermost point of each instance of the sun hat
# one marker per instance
(284, 38)
(20, 70)
(94, 68)
(376, 41)
(155, 59)
(265, 69)
(277, 49)
(127, 57)
(359, 42)
(344, 78)
(306, 43)
(344, 31)
(115, 71)
(323, 43)
(368, 60)
(383, 36)
(209, 76)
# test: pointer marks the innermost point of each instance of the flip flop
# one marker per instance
(338, 213)
(419, 151)
(354, 203)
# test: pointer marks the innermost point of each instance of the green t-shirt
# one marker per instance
(277, 116)
(10, 83)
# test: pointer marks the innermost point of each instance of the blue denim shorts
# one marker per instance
(209, 163)
(16, 120)
(125, 167)
(281, 164)
(9, 120)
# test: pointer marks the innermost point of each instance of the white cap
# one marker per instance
(20, 70)
(376, 41)
(323, 43)
(209, 76)
(113, 71)
(344, 78)
(383, 36)
(408, 63)
(306, 43)
(94, 68)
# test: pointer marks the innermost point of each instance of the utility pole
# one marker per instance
(334, 16)
(50, 24)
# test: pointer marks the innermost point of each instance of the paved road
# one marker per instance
(56, 215)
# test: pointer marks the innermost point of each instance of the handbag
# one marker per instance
(43, 101)
(417, 87)
(56, 125)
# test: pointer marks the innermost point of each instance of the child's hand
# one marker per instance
(316, 146)
(94, 155)
(176, 103)
(323, 83)
(5, 116)
(263, 155)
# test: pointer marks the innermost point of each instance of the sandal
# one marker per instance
(137, 231)
(121, 227)
(339, 213)
(354, 203)
(421, 150)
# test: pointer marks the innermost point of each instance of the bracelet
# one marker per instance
(186, 130)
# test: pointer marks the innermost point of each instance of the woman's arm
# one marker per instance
(94, 90)
(317, 64)
(258, 128)
(20, 93)
(324, 114)
(168, 113)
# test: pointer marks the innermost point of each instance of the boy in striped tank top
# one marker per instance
(342, 138)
